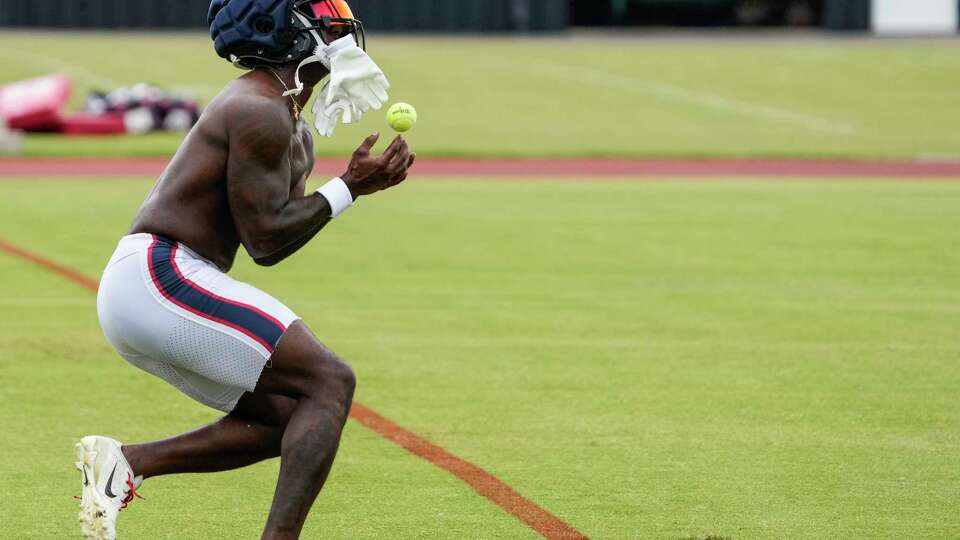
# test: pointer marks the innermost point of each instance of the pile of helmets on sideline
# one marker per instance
(145, 108)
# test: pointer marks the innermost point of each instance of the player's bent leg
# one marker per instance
(227, 345)
(249, 434)
(297, 412)
(267, 409)
(303, 366)
(322, 385)
(177, 316)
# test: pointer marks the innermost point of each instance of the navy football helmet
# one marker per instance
(251, 33)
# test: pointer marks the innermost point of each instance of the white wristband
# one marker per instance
(338, 195)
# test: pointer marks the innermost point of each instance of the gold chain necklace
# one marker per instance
(296, 106)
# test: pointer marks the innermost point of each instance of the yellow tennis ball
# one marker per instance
(402, 117)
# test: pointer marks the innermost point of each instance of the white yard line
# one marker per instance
(91, 78)
(201, 91)
(708, 100)
(39, 62)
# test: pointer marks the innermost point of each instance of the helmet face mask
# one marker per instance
(332, 19)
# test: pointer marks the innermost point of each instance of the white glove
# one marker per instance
(354, 76)
(327, 117)
(325, 53)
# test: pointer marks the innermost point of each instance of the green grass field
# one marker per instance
(645, 360)
(581, 95)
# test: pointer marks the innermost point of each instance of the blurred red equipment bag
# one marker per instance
(35, 104)
(92, 124)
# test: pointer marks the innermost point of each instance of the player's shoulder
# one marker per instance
(252, 116)
(247, 98)
(247, 102)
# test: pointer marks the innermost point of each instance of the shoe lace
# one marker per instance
(131, 493)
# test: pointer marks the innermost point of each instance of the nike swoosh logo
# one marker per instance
(109, 489)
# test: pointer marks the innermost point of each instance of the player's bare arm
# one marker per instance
(273, 221)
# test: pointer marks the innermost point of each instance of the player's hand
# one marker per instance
(369, 174)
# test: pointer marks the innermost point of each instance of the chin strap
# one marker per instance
(298, 88)
(321, 53)
(313, 58)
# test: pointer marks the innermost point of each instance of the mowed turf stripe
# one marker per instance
(484, 483)
(908, 170)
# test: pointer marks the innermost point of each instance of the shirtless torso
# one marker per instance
(240, 177)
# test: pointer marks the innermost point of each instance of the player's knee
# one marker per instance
(335, 379)
(345, 378)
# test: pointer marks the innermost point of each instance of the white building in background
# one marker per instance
(914, 17)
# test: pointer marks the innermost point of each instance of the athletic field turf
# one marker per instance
(580, 95)
(644, 360)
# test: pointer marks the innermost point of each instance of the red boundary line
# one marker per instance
(480, 480)
(484, 483)
(56, 268)
(534, 168)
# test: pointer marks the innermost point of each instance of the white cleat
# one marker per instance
(108, 486)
